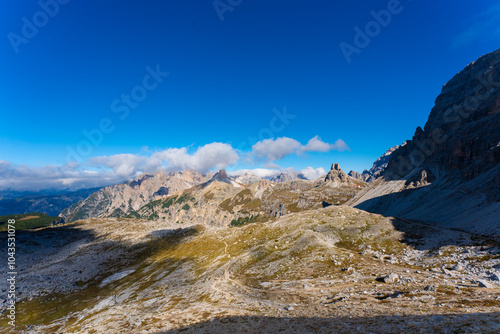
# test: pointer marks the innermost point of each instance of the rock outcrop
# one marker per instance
(337, 175)
(357, 175)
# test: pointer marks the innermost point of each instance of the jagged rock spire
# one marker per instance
(336, 174)
(221, 175)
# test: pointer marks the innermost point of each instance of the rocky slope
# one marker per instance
(121, 199)
(449, 173)
(336, 269)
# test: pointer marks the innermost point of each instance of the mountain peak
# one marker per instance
(336, 174)
(336, 166)
(221, 175)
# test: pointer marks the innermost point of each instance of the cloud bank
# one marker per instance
(112, 169)
(277, 149)
(23, 178)
(311, 173)
(210, 156)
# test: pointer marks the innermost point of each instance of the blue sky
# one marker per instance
(225, 78)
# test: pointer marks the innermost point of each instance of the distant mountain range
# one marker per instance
(139, 198)
(49, 202)
(124, 199)
(215, 198)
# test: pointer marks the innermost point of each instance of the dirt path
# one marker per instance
(28, 217)
(225, 277)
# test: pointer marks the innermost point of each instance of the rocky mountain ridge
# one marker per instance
(377, 168)
(449, 172)
(287, 176)
(120, 199)
(131, 198)
(221, 201)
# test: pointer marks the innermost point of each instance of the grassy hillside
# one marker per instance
(28, 221)
(132, 275)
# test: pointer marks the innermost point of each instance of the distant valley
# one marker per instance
(51, 204)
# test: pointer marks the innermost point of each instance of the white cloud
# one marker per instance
(271, 165)
(311, 173)
(22, 177)
(210, 156)
(315, 144)
(277, 149)
(106, 170)
(340, 146)
(124, 165)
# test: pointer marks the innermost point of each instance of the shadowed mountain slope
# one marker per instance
(449, 173)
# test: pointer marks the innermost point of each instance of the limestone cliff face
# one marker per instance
(449, 172)
(462, 134)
